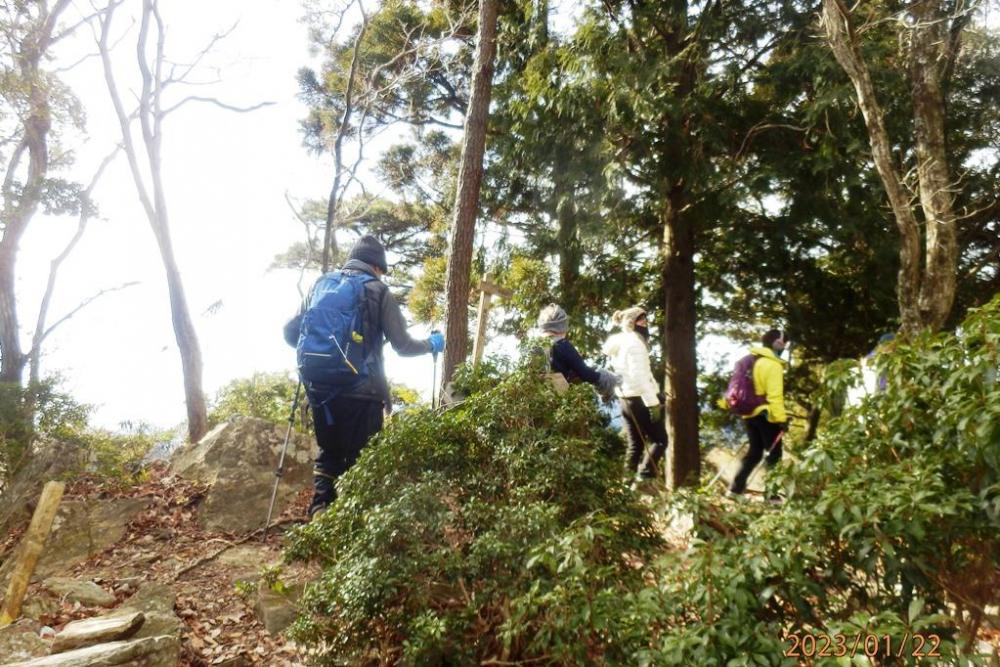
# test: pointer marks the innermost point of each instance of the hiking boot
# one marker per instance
(644, 483)
(316, 510)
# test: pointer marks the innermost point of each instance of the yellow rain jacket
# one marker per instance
(769, 381)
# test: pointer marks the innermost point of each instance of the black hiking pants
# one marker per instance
(354, 422)
(763, 436)
(645, 441)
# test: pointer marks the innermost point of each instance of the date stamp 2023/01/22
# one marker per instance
(809, 645)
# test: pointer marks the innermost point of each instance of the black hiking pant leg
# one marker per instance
(355, 421)
(634, 444)
(646, 439)
(762, 435)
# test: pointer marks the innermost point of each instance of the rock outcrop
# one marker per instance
(151, 652)
(237, 460)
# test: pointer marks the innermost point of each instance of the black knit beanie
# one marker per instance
(370, 251)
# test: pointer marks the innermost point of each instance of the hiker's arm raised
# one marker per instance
(578, 365)
(394, 326)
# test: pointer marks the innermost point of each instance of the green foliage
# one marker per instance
(500, 528)
(39, 410)
(117, 458)
(402, 395)
(890, 523)
(909, 481)
(43, 411)
(426, 300)
(264, 395)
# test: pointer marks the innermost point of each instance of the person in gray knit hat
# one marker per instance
(345, 419)
(564, 358)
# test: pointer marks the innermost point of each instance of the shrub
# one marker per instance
(500, 529)
(890, 524)
(264, 395)
(43, 413)
(39, 410)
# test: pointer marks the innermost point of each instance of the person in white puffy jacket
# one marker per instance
(628, 354)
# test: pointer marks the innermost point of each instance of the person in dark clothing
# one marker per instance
(344, 421)
(564, 358)
(767, 424)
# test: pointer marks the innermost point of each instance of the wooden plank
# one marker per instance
(491, 288)
(32, 545)
(483, 319)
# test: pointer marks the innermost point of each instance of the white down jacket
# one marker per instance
(629, 357)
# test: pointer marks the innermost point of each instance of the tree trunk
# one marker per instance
(13, 359)
(150, 118)
(470, 176)
(925, 296)
(679, 344)
(928, 50)
(20, 208)
(184, 334)
(567, 239)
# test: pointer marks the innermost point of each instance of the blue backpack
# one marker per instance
(331, 346)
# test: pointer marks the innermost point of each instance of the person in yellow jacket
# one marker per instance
(768, 422)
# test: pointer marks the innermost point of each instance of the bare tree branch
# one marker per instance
(190, 67)
(86, 302)
(216, 102)
(34, 355)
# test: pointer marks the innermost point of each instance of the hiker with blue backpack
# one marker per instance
(642, 409)
(338, 334)
(756, 393)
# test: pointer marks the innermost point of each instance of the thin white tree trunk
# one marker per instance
(150, 118)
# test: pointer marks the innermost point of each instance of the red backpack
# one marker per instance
(740, 396)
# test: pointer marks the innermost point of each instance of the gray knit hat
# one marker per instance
(553, 319)
(370, 251)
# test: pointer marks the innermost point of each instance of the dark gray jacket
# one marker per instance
(383, 321)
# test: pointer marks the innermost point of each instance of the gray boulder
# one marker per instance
(237, 460)
(156, 602)
(99, 630)
(81, 529)
(277, 610)
(150, 652)
(49, 460)
(20, 641)
(77, 590)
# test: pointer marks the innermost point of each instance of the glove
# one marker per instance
(606, 383)
(655, 413)
(436, 341)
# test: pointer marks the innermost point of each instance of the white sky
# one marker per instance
(225, 176)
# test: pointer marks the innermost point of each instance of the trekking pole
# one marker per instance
(434, 356)
(281, 459)
(434, 376)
